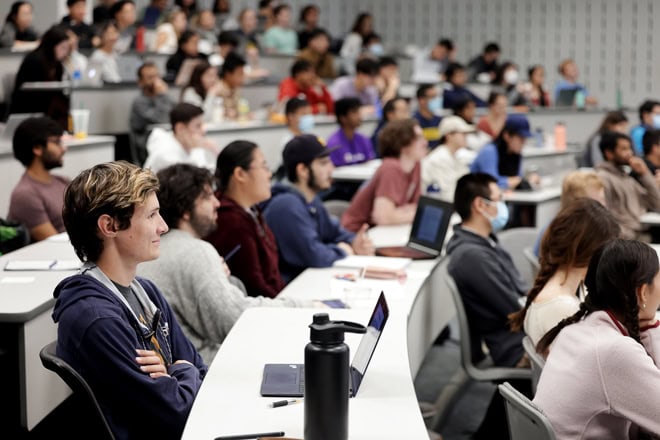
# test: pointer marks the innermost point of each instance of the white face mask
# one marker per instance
(511, 77)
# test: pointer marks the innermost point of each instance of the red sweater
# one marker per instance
(289, 89)
(256, 262)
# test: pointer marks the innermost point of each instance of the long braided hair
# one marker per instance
(620, 268)
(571, 239)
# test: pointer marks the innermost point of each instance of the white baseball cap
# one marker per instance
(454, 124)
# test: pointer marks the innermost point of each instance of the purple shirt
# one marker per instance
(34, 203)
(356, 150)
(344, 87)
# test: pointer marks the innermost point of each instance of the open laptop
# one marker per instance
(13, 122)
(288, 380)
(428, 232)
(566, 98)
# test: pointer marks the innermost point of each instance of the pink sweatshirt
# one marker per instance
(600, 384)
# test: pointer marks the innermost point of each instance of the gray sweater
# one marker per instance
(190, 275)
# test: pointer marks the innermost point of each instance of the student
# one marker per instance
(387, 81)
(613, 121)
(502, 159)
(627, 198)
(317, 53)
(651, 143)
(247, 31)
(243, 183)
(232, 77)
(429, 106)
(203, 89)
(361, 86)
(506, 82)
(569, 75)
(395, 109)
(308, 23)
(188, 50)
(44, 64)
(533, 91)
(577, 232)
(649, 117)
(36, 200)
(577, 184)
(485, 275)
(304, 81)
(115, 329)
(152, 14)
(442, 167)
(192, 276)
(600, 378)
(105, 53)
(493, 121)
(299, 119)
(347, 144)
(306, 234)
(75, 21)
(187, 6)
(101, 13)
(390, 197)
(429, 65)
(351, 49)
(152, 106)
(280, 38)
(184, 144)
(17, 31)
(466, 109)
(168, 33)
(204, 24)
(482, 68)
(123, 13)
(455, 90)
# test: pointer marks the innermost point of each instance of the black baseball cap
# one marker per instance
(304, 149)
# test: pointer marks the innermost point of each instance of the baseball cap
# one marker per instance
(454, 124)
(517, 124)
(303, 149)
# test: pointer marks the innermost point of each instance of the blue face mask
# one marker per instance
(377, 49)
(500, 220)
(656, 121)
(306, 123)
(435, 104)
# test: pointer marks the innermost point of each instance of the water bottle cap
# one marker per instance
(324, 331)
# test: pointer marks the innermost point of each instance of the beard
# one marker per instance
(202, 226)
(51, 161)
(313, 184)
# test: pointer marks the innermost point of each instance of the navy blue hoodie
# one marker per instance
(306, 234)
(98, 336)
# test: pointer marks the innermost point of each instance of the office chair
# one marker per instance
(535, 358)
(526, 421)
(336, 207)
(515, 241)
(532, 259)
(80, 388)
(484, 371)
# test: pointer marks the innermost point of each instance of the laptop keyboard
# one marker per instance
(301, 380)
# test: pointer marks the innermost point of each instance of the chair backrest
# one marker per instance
(514, 241)
(336, 207)
(532, 259)
(475, 372)
(80, 388)
(535, 359)
(526, 421)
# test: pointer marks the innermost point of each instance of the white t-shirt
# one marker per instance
(543, 316)
(165, 150)
(110, 66)
(443, 168)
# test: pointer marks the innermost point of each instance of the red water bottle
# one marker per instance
(139, 39)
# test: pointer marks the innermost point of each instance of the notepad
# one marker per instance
(39, 265)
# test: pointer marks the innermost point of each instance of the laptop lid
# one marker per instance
(566, 98)
(430, 225)
(14, 121)
(368, 344)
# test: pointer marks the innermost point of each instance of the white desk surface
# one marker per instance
(650, 218)
(394, 235)
(229, 401)
(359, 172)
(25, 294)
(533, 197)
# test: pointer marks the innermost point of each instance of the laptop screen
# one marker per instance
(431, 222)
(368, 343)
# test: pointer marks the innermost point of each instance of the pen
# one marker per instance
(285, 402)
(232, 252)
(52, 265)
(250, 436)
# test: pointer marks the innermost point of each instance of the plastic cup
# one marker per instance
(80, 119)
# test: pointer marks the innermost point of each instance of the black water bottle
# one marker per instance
(327, 379)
